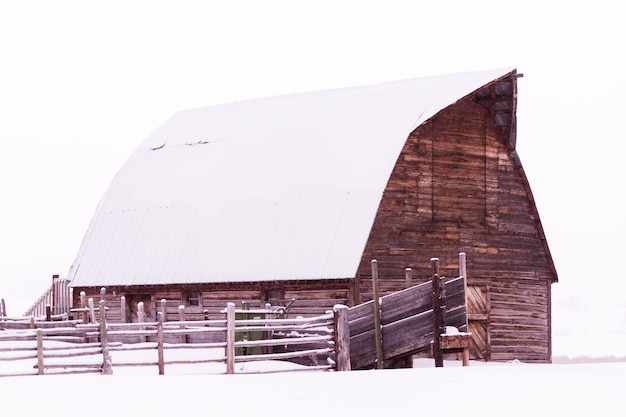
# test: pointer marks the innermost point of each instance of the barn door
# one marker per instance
(478, 320)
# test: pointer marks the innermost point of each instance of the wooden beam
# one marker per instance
(342, 338)
(437, 314)
(230, 338)
(380, 363)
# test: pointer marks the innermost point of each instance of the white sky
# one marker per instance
(82, 84)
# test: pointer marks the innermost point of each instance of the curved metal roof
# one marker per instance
(278, 188)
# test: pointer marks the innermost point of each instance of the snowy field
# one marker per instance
(478, 390)
(482, 389)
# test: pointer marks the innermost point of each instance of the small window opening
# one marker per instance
(193, 298)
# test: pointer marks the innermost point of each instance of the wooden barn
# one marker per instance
(288, 199)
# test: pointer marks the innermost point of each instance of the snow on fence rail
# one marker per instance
(317, 343)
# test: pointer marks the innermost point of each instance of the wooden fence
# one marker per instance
(317, 343)
(55, 301)
(398, 325)
(380, 333)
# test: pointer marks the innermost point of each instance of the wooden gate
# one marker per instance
(478, 321)
(405, 322)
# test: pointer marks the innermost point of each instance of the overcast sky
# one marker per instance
(82, 84)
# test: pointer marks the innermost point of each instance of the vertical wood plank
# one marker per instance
(54, 296)
(342, 338)
(123, 314)
(380, 363)
(437, 316)
(140, 318)
(181, 318)
(83, 305)
(92, 311)
(463, 273)
(267, 335)
(140, 312)
(107, 368)
(408, 277)
(230, 338)
(164, 309)
(161, 357)
(39, 352)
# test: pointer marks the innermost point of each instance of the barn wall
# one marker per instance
(310, 298)
(457, 187)
(520, 314)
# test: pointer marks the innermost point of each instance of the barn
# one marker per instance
(287, 200)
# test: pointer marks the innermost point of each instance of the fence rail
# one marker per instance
(317, 343)
(56, 300)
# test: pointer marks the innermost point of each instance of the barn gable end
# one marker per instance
(458, 186)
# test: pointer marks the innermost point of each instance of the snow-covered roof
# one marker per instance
(278, 188)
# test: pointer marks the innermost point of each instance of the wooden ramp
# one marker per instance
(406, 320)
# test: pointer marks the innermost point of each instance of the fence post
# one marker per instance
(164, 309)
(267, 334)
(83, 305)
(92, 311)
(39, 352)
(437, 314)
(140, 312)
(48, 312)
(53, 294)
(463, 273)
(230, 338)
(380, 362)
(3, 308)
(342, 338)
(160, 342)
(123, 314)
(408, 277)
(104, 340)
(140, 319)
(181, 318)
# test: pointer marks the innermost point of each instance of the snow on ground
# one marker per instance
(497, 390)
(482, 389)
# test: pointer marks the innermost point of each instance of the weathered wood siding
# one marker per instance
(458, 186)
(312, 298)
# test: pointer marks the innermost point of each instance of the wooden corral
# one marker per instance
(382, 333)
(70, 347)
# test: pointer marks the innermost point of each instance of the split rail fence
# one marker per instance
(316, 343)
